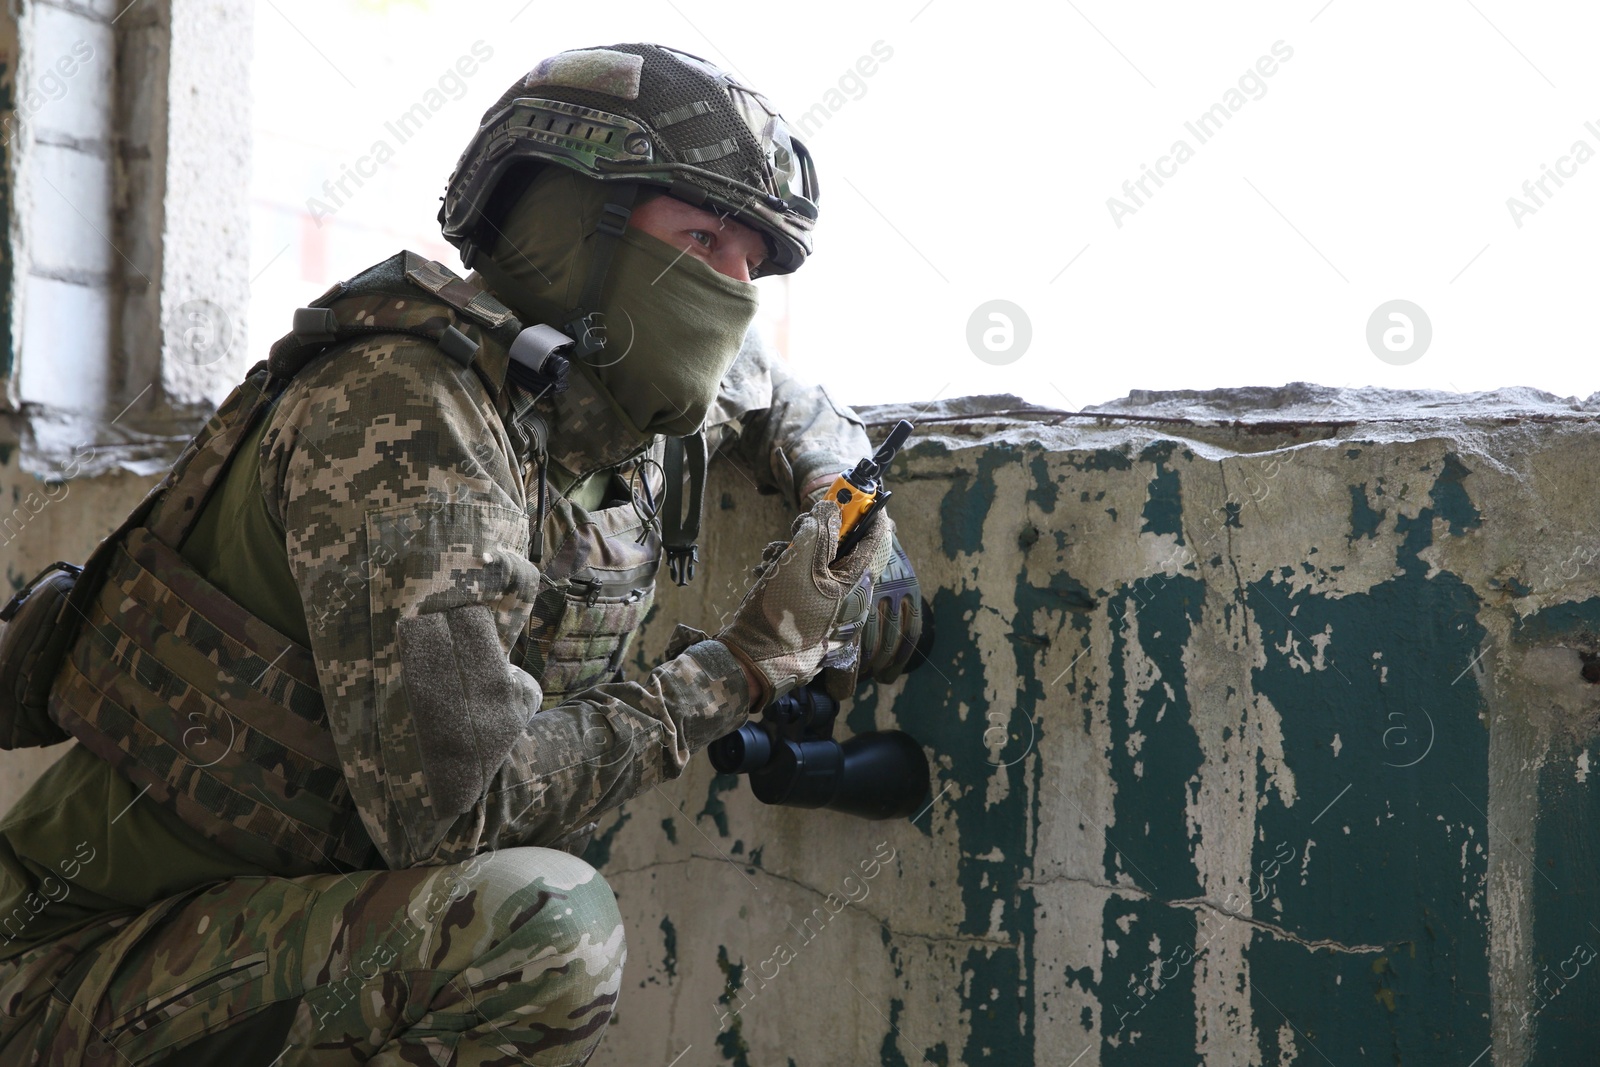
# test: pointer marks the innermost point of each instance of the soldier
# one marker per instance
(346, 687)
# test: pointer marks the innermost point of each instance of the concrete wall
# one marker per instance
(1297, 714)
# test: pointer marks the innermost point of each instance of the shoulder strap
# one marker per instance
(681, 531)
(176, 503)
(409, 294)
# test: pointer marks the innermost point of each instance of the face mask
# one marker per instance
(672, 324)
(673, 327)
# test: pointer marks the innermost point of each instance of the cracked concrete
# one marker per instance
(1278, 931)
(1340, 735)
(1270, 730)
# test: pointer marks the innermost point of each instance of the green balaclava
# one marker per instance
(673, 325)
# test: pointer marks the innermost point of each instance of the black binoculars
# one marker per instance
(792, 759)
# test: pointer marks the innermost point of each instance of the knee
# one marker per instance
(554, 896)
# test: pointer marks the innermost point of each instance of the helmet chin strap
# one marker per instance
(579, 322)
(608, 231)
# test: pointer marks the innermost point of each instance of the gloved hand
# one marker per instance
(890, 633)
(785, 626)
(878, 634)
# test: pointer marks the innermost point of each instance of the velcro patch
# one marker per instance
(599, 70)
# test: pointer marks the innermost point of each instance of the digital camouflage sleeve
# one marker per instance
(787, 432)
(390, 471)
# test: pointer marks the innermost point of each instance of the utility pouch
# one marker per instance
(33, 646)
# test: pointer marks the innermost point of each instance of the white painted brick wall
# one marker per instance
(72, 220)
(131, 155)
(63, 220)
(59, 39)
(66, 332)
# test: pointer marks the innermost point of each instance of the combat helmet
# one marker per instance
(633, 115)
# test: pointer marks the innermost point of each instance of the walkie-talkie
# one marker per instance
(860, 491)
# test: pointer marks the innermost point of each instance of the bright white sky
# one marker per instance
(976, 163)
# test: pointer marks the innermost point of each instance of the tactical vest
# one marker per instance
(599, 582)
(218, 716)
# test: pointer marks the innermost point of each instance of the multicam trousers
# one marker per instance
(514, 957)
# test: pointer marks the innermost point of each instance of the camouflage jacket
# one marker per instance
(404, 487)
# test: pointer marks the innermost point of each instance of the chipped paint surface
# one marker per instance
(1296, 761)
(1295, 766)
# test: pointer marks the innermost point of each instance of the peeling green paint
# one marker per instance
(1046, 489)
(889, 1054)
(929, 696)
(1449, 496)
(957, 674)
(1363, 519)
(1349, 638)
(731, 1042)
(1552, 625)
(1566, 965)
(1143, 1019)
(669, 958)
(1102, 459)
(598, 852)
(715, 807)
(1163, 507)
(861, 714)
(966, 505)
(1396, 808)
(1154, 753)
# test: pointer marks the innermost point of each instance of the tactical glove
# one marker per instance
(893, 627)
(878, 631)
(785, 627)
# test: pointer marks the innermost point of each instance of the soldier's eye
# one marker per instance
(703, 238)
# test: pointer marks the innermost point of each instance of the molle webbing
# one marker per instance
(599, 584)
(184, 691)
(189, 696)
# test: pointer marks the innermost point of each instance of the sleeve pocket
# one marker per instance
(468, 704)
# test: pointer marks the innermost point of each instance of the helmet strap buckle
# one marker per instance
(610, 227)
(614, 219)
(588, 338)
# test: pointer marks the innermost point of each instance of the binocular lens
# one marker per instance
(746, 749)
